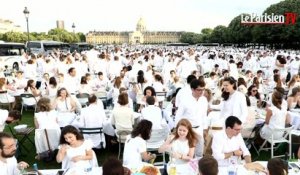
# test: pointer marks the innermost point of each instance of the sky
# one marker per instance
(122, 15)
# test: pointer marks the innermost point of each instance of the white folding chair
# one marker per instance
(28, 100)
(157, 138)
(95, 135)
(286, 138)
(122, 136)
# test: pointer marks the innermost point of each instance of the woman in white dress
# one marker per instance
(293, 100)
(52, 88)
(276, 117)
(46, 118)
(65, 106)
(135, 150)
(74, 151)
(234, 102)
(181, 144)
(254, 96)
(6, 97)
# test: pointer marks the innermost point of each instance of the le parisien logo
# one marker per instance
(289, 18)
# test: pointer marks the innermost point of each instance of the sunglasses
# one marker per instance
(254, 90)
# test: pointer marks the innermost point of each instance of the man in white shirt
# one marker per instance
(8, 163)
(93, 116)
(184, 91)
(228, 145)
(153, 113)
(194, 108)
(8, 117)
(72, 81)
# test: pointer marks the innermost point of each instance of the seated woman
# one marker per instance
(31, 89)
(276, 116)
(74, 151)
(254, 96)
(181, 144)
(7, 98)
(293, 100)
(250, 122)
(65, 106)
(135, 150)
(45, 118)
(149, 91)
(276, 166)
(122, 115)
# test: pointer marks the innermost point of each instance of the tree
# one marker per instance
(15, 37)
(219, 34)
(239, 33)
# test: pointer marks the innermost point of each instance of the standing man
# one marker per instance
(8, 162)
(194, 108)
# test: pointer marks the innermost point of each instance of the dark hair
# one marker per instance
(248, 101)
(277, 99)
(281, 59)
(53, 81)
(83, 80)
(69, 129)
(71, 70)
(16, 115)
(153, 93)
(143, 128)
(2, 136)
(231, 121)
(29, 82)
(123, 99)
(232, 81)
(212, 74)
(100, 73)
(190, 78)
(150, 100)
(277, 80)
(43, 105)
(295, 90)
(196, 83)
(92, 99)
(140, 77)
(257, 95)
(276, 166)
(159, 78)
(241, 81)
(208, 165)
(112, 166)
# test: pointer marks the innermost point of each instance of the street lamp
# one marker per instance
(73, 27)
(26, 13)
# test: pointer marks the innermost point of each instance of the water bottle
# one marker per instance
(35, 168)
(172, 170)
(231, 167)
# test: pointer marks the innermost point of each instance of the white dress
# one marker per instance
(277, 121)
(181, 147)
(46, 120)
(78, 151)
(132, 152)
(65, 117)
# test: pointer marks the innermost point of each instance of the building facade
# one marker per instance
(60, 24)
(140, 35)
(9, 26)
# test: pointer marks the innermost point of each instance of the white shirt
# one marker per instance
(93, 116)
(9, 167)
(132, 152)
(47, 120)
(153, 114)
(222, 144)
(236, 106)
(195, 111)
(182, 94)
(3, 118)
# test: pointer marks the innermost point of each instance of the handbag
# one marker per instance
(49, 155)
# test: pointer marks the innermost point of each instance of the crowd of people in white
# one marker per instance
(202, 85)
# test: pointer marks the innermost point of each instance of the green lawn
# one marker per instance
(101, 154)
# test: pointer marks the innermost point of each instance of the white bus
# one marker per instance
(44, 47)
(10, 54)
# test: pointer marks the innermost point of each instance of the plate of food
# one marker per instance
(150, 170)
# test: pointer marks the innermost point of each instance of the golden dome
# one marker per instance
(141, 25)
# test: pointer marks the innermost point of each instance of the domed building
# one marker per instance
(141, 35)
